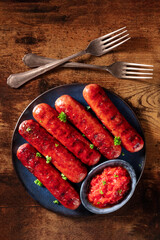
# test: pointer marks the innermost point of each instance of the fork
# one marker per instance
(117, 69)
(97, 47)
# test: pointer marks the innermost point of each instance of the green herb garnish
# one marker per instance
(83, 135)
(38, 154)
(91, 146)
(116, 175)
(63, 176)
(88, 107)
(48, 159)
(117, 141)
(56, 145)
(104, 127)
(101, 192)
(119, 191)
(62, 117)
(40, 121)
(37, 182)
(28, 129)
(98, 202)
(56, 202)
(104, 183)
(123, 154)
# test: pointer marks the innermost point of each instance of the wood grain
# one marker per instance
(57, 29)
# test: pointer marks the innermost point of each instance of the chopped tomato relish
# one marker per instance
(109, 187)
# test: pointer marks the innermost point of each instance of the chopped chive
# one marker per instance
(119, 191)
(104, 183)
(117, 141)
(88, 107)
(123, 154)
(62, 117)
(38, 154)
(91, 146)
(63, 176)
(98, 202)
(37, 182)
(116, 175)
(83, 135)
(48, 159)
(28, 129)
(56, 202)
(101, 192)
(56, 145)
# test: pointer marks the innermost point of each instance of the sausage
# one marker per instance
(48, 176)
(110, 116)
(48, 146)
(88, 125)
(65, 133)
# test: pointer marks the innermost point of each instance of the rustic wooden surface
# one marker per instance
(58, 29)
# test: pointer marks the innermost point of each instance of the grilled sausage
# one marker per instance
(65, 133)
(48, 176)
(48, 146)
(88, 125)
(110, 116)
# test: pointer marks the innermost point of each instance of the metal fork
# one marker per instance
(117, 69)
(97, 47)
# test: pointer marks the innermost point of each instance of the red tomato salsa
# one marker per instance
(109, 187)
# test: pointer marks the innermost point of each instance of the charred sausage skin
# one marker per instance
(48, 176)
(110, 116)
(47, 145)
(88, 125)
(47, 117)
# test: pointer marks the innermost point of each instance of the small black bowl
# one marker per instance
(98, 169)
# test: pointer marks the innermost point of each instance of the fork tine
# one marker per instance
(109, 34)
(111, 38)
(136, 64)
(117, 40)
(140, 73)
(135, 77)
(139, 69)
(116, 45)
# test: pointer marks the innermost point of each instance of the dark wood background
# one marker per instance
(58, 29)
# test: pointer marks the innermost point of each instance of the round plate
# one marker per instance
(41, 194)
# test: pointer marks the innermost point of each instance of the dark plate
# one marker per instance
(41, 194)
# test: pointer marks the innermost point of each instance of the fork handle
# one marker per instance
(18, 79)
(33, 60)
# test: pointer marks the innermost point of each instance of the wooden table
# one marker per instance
(57, 29)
